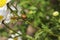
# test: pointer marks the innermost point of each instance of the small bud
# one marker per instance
(16, 34)
(56, 13)
(10, 31)
(12, 35)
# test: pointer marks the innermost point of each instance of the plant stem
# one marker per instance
(11, 29)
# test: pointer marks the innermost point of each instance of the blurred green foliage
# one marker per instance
(39, 14)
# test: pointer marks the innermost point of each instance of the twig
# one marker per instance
(10, 28)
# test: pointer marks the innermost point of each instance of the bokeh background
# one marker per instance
(32, 20)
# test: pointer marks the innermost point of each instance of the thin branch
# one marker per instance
(10, 28)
